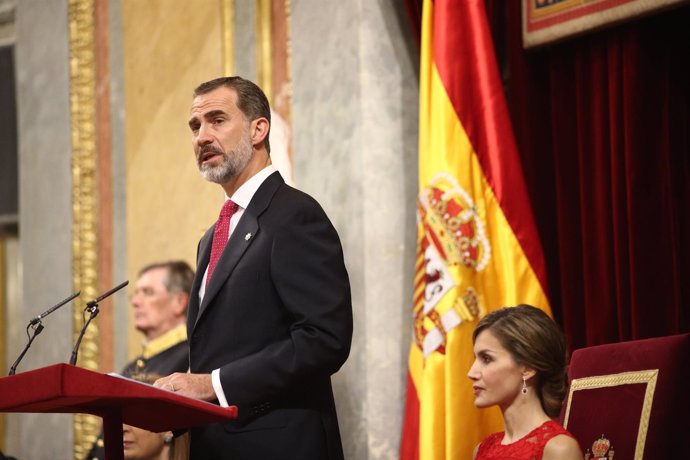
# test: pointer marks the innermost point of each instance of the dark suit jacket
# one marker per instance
(276, 318)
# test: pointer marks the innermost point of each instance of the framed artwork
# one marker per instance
(547, 21)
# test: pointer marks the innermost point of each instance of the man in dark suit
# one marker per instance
(160, 299)
(270, 321)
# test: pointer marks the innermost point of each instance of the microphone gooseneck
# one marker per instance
(37, 330)
(92, 308)
(37, 327)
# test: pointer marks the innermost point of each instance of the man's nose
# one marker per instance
(203, 136)
(135, 300)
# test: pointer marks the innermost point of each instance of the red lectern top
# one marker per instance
(63, 388)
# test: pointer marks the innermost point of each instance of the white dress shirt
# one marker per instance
(241, 197)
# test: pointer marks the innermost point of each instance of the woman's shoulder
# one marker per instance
(562, 446)
(490, 442)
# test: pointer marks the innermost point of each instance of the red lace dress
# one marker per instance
(529, 447)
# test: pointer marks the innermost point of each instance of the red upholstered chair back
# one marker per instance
(635, 394)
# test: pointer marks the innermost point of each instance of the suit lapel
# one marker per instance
(203, 254)
(242, 237)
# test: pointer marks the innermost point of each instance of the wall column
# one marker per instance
(45, 204)
(354, 117)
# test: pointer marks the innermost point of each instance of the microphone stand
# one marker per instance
(37, 327)
(92, 308)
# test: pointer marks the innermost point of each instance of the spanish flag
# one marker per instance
(478, 247)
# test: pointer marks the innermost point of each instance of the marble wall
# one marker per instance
(355, 148)
(45, 209)
(169, 47)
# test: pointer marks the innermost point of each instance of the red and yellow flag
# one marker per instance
(478, 247)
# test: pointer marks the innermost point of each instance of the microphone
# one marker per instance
(37, 326)
(94, 302)
(92, 307)
(38, 319)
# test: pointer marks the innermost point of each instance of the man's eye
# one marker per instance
(218, 121)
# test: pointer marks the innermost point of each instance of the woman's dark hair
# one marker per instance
(534, 340)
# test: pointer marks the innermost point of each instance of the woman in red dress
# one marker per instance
(520, 366)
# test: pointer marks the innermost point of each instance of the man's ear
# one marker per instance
(259, 130)
(181, 300)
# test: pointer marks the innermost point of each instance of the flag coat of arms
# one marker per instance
(478, 248)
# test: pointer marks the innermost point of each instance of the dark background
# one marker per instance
(8, 137)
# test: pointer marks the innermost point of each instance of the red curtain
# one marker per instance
(602, 123)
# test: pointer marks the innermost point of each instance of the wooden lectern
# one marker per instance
(63, 388)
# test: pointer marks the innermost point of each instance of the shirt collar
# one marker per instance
(244, 194)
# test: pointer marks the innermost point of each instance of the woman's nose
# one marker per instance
(472, 374)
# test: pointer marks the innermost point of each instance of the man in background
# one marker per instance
(160, 299)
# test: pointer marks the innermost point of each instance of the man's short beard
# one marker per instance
(232, 164)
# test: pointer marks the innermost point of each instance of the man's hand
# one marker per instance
(197, 386)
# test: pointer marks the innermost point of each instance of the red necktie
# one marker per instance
(220, 235)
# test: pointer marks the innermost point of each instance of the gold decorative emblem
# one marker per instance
(452, 247)
(470, 303)
(601, 450)
(453, 226)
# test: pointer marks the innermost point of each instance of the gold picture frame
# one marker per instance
(547, 21)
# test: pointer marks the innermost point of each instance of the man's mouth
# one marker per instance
(207, 154)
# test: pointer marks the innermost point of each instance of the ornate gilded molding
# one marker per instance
(227, 15)
(647, 377)
(288, 59)
(264, 47)
(82, 81)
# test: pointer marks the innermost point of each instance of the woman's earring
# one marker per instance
(168, 437)
(524, 386)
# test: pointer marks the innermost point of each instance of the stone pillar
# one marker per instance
(355, 109)
(45, 205)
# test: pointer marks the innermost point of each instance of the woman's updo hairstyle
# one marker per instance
(533, 340)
